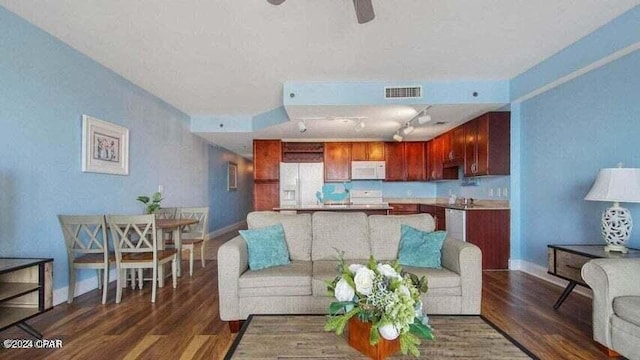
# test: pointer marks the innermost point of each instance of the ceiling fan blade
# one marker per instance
(364, 11)
(275, 2)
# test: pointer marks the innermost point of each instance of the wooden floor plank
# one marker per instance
(185, 323)
(147, 342)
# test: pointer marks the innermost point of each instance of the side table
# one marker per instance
(565, 261)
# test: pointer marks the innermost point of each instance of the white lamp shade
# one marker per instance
(397, 137)
(617, 185)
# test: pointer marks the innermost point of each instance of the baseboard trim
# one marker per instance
(233, 227)
(541, 273)
(60, 295)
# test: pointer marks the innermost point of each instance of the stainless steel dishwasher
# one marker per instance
(456, 224)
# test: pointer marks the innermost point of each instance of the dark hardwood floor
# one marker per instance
(184, 323)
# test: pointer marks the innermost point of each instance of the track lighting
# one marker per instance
(397, 137)
(301, 126)
(408, 129)
(424, 119)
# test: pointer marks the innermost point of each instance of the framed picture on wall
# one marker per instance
(105, 147)
(232, 181)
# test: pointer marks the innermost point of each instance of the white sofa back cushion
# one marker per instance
(297, 230)
(345, 231)
(384, 232)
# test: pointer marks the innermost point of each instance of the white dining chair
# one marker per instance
(87, 248)
(196, 234)
(166, 213)
(136, 247)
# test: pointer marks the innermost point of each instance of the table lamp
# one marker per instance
(616, 185)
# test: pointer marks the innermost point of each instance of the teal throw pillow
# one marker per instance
(420, 248)
(266, 247)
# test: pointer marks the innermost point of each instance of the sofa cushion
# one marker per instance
(441, 282)
(297, 230)
(344, 231)
(420, 248)
(292, 279)
(266, 247)
(384, 232)
(628, 308)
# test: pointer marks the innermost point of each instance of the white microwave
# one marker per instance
(367, 170)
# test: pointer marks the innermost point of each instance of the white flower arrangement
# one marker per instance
(383, 295)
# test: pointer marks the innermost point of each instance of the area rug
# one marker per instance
(275, 337)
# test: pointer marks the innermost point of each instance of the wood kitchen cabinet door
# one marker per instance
(266, 196)
(489, 230)
(470, 147)
(454, 154)
(435, 159)
(375, 151)
(337, 161)
(414, 161)
(394, 161)
(266, 159)
(438, 214)
(487, 145)
(367, 151)
(359, 151)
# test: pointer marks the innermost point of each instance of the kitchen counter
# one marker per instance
(371, 209)
(478, 204)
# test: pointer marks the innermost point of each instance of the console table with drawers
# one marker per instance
(565, 261)
(26, 290)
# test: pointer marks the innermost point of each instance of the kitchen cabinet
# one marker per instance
(266, 174)
(487, 145)
(405, 161)
(266, 196)
(414, 161)
(337, 161)
(367, 151)
(26, 290)
(404, 209)
(453, 154)
(437, 212)
(435, 163)
(489, 230)
(394, 163)
(266, 160)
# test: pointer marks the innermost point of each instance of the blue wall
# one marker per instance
(45, 87)
(567, 135)
(476, 188)
(228, 207)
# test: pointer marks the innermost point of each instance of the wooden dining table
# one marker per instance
(174, 227)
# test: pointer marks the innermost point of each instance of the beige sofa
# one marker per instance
(616, 303)
(299, 288)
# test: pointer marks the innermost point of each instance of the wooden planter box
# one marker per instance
(358, 338)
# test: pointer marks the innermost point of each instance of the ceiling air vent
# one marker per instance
(403, 92)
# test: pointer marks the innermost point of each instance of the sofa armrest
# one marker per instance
(232, 262)
(609, 278)
(465, 259)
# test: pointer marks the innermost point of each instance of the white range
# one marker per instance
(366, 197)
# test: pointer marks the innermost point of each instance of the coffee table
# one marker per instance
(289, 337)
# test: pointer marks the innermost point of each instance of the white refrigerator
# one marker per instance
(299, 183)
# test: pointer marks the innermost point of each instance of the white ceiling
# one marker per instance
(214, 57)
(325, 123)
